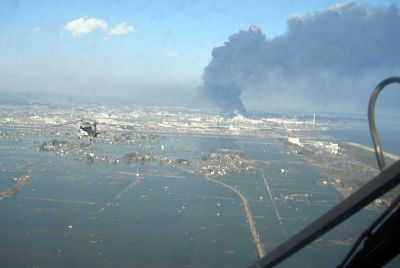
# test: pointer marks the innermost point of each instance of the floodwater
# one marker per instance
(76, 214)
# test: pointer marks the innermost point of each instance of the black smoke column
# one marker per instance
(231, 67)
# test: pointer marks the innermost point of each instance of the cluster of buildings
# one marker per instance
(141, 125)
(59, 118)
(321, 146)
(220, 163)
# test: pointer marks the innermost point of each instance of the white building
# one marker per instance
(332, 148)
(295, 141)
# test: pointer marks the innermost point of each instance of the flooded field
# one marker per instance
(75, 212)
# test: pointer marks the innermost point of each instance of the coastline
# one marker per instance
(369, 149)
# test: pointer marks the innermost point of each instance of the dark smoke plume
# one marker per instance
(327, 61)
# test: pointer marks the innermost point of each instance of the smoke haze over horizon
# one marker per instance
(325, 61)
(302, 57)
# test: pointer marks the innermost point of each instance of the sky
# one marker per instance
(152, 52)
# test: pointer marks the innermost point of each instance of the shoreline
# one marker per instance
(369, 149)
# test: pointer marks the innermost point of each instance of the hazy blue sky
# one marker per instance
(128, 46)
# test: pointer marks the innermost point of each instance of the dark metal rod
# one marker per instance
(375, 188)
(371, 119)
(370, 230)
